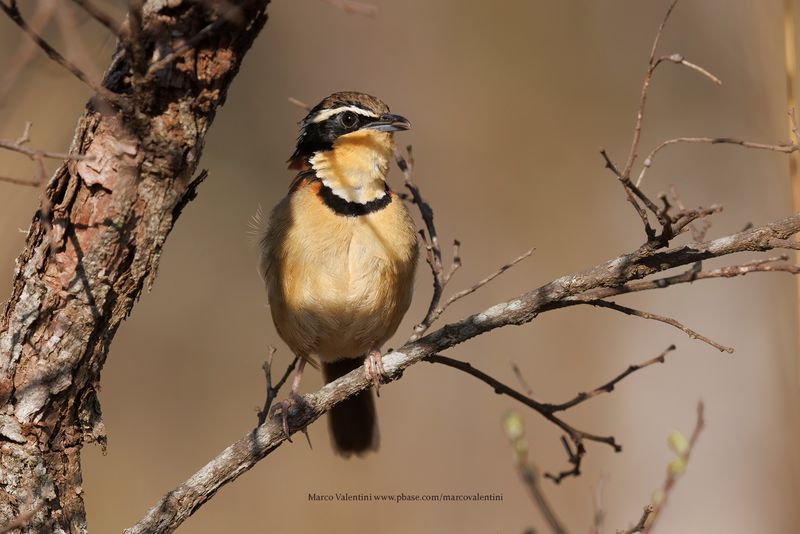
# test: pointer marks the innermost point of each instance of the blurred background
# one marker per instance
(510, 102)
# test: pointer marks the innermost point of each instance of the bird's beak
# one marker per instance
(389, 123)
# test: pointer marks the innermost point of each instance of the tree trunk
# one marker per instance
(96, 241)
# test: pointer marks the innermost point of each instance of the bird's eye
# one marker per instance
(348, 119)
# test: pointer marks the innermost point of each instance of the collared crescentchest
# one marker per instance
(339, 254)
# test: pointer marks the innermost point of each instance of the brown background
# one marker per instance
(510, 102)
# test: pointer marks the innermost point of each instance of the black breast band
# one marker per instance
(353, 209)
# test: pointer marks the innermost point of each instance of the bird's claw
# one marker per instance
(373, 369)
(292, 406)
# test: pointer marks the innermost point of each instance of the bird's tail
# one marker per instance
(353, 423)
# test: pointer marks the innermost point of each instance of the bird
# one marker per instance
(339, 255)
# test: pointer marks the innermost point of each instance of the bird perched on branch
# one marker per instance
(339, 255)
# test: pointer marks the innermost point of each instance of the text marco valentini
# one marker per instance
(405, 497)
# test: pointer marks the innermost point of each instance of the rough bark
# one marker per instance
(79, 276)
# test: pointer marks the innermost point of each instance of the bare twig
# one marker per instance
(639, 526)
(671, 225)
(13, 13)
(37, 156)
(512, 424)
(100, 16)
(433, 252)
(680, 60)
(676, 468)
(272, 391)
(18, 145)
(19, 181)
(762, 265)
(668, 320)
(131, 37)
(648, 161)
(574, 457)
(434, 314)
(26, 48)
(479, 284)
(651, 65)
(354, 7)
(608, 387)
(431, 242)
(299, 103)
(786, 243)
(577, 437)
(178, 504)
(521, 379)
(640, 211)
(598, 507)
(790, 45)
(73, 41)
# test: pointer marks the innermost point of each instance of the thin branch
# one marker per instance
(175, 506)
(441, 277)
(786, 243)
(479, 284)
(667, 320)
(26, 48)
(671, 225)
(354, 7)
(73, 41)
(680, 60)
(528, 472)
(433, 315)
(32, 153)
(456, 265)
(574, 457)
(640, 211)
(545, 410)
(131, 37)
(762, 265)
(19, 181)
(19, 145)
(299, 103)
(676, 469)
(598, 507)
(13, 13)
(521, 379)
(608, 387)
(100, 16)
(648, 161)
(651, 65)
(431, 242)
(272, 391)
(639, 526)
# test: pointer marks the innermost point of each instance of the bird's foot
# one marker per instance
(292, 407)
(373, 369)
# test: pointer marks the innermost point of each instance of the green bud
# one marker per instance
(676, 466)
(678, 443)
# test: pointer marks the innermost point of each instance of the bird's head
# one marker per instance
(355, 122)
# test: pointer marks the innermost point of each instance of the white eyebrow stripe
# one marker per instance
(327, 113)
